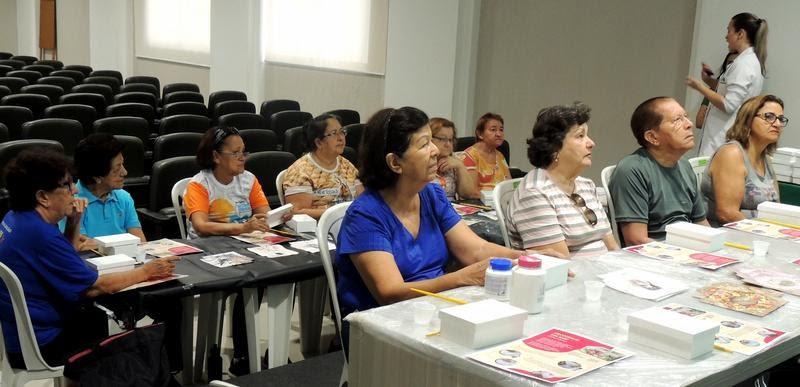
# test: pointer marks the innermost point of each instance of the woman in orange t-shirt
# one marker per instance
(484, 162)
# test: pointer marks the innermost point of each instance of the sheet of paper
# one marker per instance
(465, 210)
(681, 255)
(154, 282)
(310, 245)
(734, 335)
(165, 247)
(489, 214)
(643, 284)
(772, 279)
(261, 237)
(741, 298)
(551, 356)
(272, 251)
(766, 229)
(228, 259)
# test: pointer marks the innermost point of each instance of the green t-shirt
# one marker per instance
(644, 191)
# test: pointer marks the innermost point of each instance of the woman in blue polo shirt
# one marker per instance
(101, 175)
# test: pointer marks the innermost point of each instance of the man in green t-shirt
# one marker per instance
(653, 187)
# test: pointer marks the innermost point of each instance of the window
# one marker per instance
(173, 30)
(345, 35)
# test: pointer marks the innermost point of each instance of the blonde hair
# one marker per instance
(740, 131)
(439, 123)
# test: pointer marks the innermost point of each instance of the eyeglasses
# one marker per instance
(588, 214)
(67, 184)
(444, 139)
(771, 117)
(342, 131)
(238, 155)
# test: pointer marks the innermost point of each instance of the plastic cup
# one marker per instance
(594, 290)
(760, 248)
(423, 312)
(622, 316)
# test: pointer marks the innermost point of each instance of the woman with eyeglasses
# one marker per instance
(554, 207)
(484, 162)
(740, 175)
(451, 173)
(322, 177)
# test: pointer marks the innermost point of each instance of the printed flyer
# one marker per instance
(465, 210)
(167, 247)
(643, 284)
(228, 259)
(734, 335)
(552, 356)
(681, 255)
(741, 298)
(261, 237)
(772, 279)
(771, 230)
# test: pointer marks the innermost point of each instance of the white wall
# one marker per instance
(111, 35)
(72, 29)
(783, 55)
(8, 26)
(27, 28)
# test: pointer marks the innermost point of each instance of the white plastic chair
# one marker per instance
(605, 177)
(279, 186)
(699, 165)
(178, 190)
(501, 197)
(37, 368)
(328, 225)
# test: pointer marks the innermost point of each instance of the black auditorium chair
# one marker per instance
(175, 145)
(65, 131)
(243, 121)
(36, 102)
(107, 73)
(55, 64)
(10, 149)
(4, 91)
(354, 134)
(140, 88)
(84, 114)
(346, 116)
(351, 155)
(132, 109)
(63, 82)
(146, 79)
(463, 143)
(182, 123)
(16, 64)
(266, 166)
(126, 126)
(5, 55)
(137, 181)
(229, 107)
(96, 88)
(13, 117)
(97, 101)
(50, 91)
(259, 140)
(282, 121)
(43, 70)
(294, 142)
(84, 69)
(158, 218)
(137, 97)
(28, 75)
(222, 96)
(268, 108)
(176, 108)
(108, 81)
(76, 76)
(3, 133)
(174, 87)
(14, 83)
(5, 70)
(182, 96)
(27, 59)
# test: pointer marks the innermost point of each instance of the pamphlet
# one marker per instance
(734, 335)
(230, 258)
(310, 245)
(741, 298)
(272, 251)
(165, 247)
(551, 356)
(262, 237)
(771, 230)
(772, 279)
(465, 210)
(643, 284)
(681, 255)
(154, 282)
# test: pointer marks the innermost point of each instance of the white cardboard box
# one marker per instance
(302, 223)
(779, 211)
(482, 323)
(119, 244)
(487, 197)
(111, 263)
(786, 156)
(695, 237)
(556, 268)
(672, 332)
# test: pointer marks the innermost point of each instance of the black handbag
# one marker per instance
(135, 358)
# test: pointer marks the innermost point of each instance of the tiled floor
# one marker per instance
(295, 354)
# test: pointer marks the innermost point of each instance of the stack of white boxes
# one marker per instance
(111, 263)
(695, 237)
(127, 244)
(672, 332)
(786, 162)
(786, 213)
(482, 323)
(557, 270)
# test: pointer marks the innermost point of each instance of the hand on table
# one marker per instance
(257, 222)
(473, 274)
(160, 267)
(86, 243)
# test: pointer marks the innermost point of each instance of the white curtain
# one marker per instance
(345, 35)
(173, 30)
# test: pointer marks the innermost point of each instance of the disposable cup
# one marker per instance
(622, 316)
(594, 290)
(760, 248)
(423, 312)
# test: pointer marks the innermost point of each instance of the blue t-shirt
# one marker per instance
(370, 225)
(52, 274)
(115, 215)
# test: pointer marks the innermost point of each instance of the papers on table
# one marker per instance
(465, 210)
(734, 334)
(643, 284)
(228, 259)
(261, 237)
(772, 279)
(489, 214)
(272, 251)
(741, 298)
(552, 356)
(766, 229)
(681, 255)
(310, 245)
(166, 247)
(154, 282)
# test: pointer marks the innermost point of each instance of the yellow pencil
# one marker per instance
(737, 246)
(794, 226)
(719, 347)
(434, 333)
(439, 296)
